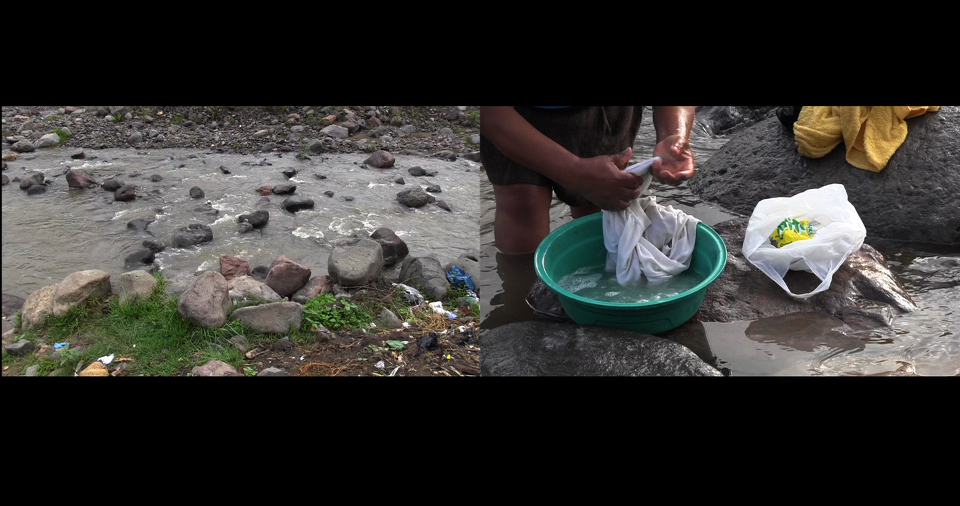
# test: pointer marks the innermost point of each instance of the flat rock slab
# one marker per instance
(564, 349)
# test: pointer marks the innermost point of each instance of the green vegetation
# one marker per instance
(149, 337)
(334, 314)
(60, 133)
(474, 117)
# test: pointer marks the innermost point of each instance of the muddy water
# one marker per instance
(48, 236)
(925, 342)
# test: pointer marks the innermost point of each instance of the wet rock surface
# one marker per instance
(914, 198)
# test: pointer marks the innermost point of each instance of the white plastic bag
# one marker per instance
(838, 232)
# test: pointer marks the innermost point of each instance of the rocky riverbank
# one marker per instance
(442, 132)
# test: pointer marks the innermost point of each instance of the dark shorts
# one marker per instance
(585, 131)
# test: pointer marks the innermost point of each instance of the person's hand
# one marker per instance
(602, 181)
(677, 163)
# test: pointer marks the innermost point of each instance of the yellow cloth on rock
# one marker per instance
(871, 133)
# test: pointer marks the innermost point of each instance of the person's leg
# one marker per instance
(521, 218)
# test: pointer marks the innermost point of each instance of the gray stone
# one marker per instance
(394, 249)
(563, 349)
(215, 368)
(257, 218)
(20, 348)
(248, 288)
(415, 197)
(78, 287)
(205, 301)
(80, 179)
(335, 131)
(47, 141)
(271, 318)
(296, 203)
(427, 272)
(380, 159)
(136, 284)
(356, 264)
(286, 276)
(191, 235)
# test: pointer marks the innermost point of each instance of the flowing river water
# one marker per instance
(48, 236)
(925, 342)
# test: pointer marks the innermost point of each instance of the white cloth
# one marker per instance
(648, 239)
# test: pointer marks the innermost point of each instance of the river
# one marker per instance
(50, 235)
(925, 342)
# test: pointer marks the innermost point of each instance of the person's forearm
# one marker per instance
(521, 142)
(673, 120)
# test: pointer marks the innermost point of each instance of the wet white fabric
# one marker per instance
(648, 239)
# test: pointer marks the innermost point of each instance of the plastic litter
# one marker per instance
(438, 308)
(456, 275)
(105, 360)
(411, 294)
(57, 346)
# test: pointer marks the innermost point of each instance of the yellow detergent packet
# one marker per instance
(791, 230)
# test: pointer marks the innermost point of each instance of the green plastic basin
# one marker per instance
(580, 244)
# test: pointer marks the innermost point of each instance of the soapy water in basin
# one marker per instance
(593, 282)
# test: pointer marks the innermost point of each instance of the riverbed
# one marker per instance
(50, 235)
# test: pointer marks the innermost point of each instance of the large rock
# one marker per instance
(232, 267)
(112, 185)
(296, 203)
(427, 272)
(394, 249)
(205, 301)
(193, 234)
(914, 198)
(257, 218)
(723, 119)
(316, 286)
(137, 284)
(562, 349)
(863, 293)
(380, 159)
(272, 318)
(80, 179)
(47, 141)
(37, 307)
(415, 197)
(78, 287)
(31, 179)
(286, 276)
(61, 297)
(357, 264)
(215, 368)
(12, 304)
(248, 288)
(125, 193)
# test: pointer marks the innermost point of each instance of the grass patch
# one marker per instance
(148, 334)
(60, 133)
(335, 314)
(150, 337)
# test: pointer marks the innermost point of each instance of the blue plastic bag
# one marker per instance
(456, 276)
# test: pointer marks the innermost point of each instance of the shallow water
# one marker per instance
(48, 236)
(928, 340)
